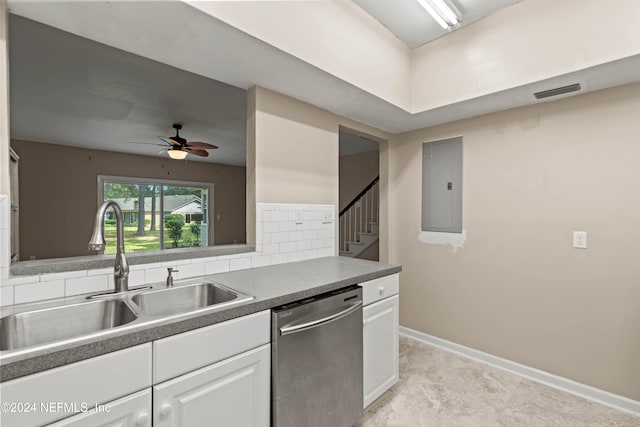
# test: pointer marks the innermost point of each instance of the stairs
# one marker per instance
(359, 227)
(364, 240)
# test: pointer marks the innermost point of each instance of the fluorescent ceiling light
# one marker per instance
(177, 154)
(441, 12)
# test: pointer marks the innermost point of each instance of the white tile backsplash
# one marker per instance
(279, 237)
(302, 245)
(239, 264)
(6, 295)
(295, 256)
(100, 271)
(280, 216)
(145, 266)
(295, 236)
(287, 247)
(311, 234)
(279, 258)
(326, 233)
(310, 254)
(20, 280)
(39, 291)
(5, 247)
(176, 264)
(5, 212)
(261, 261)
(271, 248)
(287, 225)
(283, 236)
(136, 278)
(330, 251)
(66, 275)
(190, 270)
(84, 285)
(270, 227)
(213, 267)
(154, 275)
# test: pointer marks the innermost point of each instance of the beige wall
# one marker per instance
(517, 289)
(530, 41)
(356, 172)
(296, 149)
(59, 192)
(326, 34)
(251, 166)
(4, 104)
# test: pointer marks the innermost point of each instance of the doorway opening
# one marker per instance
(359, 175)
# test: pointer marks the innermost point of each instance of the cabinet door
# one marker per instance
(232, 393)
(380, 340)
(130, 411)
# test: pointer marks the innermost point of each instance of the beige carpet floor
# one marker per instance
(440, 389)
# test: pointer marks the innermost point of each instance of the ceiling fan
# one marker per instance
(179, 147)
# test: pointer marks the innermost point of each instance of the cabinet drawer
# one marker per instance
(60, 392)
(380, 288)
(133, 410)
(186, 352)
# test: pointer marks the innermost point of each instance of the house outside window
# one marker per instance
(158, 214)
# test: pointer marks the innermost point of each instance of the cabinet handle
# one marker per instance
(381, 290)
(165, 410)
(142, 419)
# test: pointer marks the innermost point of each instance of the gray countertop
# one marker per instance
(271, 286)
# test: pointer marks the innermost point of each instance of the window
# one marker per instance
(442, 185)
(158, 214)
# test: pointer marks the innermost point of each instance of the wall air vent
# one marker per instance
(557, 91)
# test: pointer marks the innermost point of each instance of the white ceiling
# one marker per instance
(414, 26)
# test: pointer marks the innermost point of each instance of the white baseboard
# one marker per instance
(604, 397)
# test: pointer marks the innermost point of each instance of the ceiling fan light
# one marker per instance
(177, 154)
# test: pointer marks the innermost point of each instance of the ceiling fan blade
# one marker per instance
(170, 141)
(146, 143)
(201, 145)
(197, 152)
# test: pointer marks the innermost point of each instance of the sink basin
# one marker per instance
(54, 324)
(183, 299)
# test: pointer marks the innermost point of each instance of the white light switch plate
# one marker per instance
(580, 239)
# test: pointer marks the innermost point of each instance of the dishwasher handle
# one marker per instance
(292, 329)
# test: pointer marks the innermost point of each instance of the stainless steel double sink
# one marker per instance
(109, 311)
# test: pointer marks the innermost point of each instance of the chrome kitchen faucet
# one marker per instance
(96, 243)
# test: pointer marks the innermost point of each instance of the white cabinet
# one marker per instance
(380, 348)
(380, 336)
(130, 411)
(219, 375)
(231, 393)
(60, 392)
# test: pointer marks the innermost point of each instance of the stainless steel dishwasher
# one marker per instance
(316, 362)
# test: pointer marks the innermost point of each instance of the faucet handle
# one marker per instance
(171, 270)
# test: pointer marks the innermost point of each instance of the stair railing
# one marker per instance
(359, 213)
